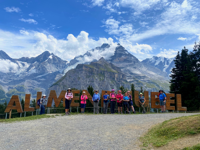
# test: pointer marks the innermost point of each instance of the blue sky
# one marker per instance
(69, 28)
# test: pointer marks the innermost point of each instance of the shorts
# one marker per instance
(162, 103)
(130, 103)
(67, 103)
(83, 105)
(119, 104)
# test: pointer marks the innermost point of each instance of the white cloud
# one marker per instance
(8, 66)
(33, 43)
(29, 20)
(12, 9)
(168, 53)
(97, 2)
(110, 8)
(138, 5)
(177, 18)
(182, 38)
(24, 32)
(113, 27)
(31, 15)
(143, 24)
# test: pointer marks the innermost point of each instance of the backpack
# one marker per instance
(38, 102)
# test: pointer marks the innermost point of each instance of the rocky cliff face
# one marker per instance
(101, 75)
(148, 77)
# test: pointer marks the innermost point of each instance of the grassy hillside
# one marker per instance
(173, 129)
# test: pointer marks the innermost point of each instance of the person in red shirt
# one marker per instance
(119, 98)
(83, 101)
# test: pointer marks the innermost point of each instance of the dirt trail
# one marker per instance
(95, 132)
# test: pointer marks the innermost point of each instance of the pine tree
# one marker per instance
(123, 90)
(141, 89)
(22, 104)
(88, 104)
(33, 103)
(175, 75)
(133, 94)
(90, 90)
(184, 79)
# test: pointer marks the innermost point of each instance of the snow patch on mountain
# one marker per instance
(162, 63)
(105, 51)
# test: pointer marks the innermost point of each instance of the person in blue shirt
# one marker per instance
(142, 102)
(105, 102)
(162, 98)
(125, 102)
(96, 99)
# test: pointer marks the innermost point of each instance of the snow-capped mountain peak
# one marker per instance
(162, 63)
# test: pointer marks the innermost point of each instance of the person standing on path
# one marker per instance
(83, 101)
(112, 101)
(130, 102)
(162, 98)
(43, 103)
(68, 100)
(105, 102)
(96, 99)
(119, 98)
(125, 103)
(142, 102)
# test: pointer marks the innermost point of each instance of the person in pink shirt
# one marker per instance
(83, 101)
(119, 98)
(68, 100)
(112, 101)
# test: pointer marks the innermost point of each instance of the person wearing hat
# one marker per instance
(162, 98)
(68, 100)
(43, 103)
(119, 98)
(105, 102)
(112, 101)
(96, 99)
(142, 102)
(83, 101)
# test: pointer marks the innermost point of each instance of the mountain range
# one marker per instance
(48, 71)
(29, 75)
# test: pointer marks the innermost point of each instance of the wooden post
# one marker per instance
(10, 113)
(32, 113)
(24, 114)
(6, 116)
(77, 109)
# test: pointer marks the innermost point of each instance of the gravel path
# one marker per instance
(85, 132)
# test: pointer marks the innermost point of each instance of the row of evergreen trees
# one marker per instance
(185, 77)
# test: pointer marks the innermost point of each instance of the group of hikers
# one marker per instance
(121, 100)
